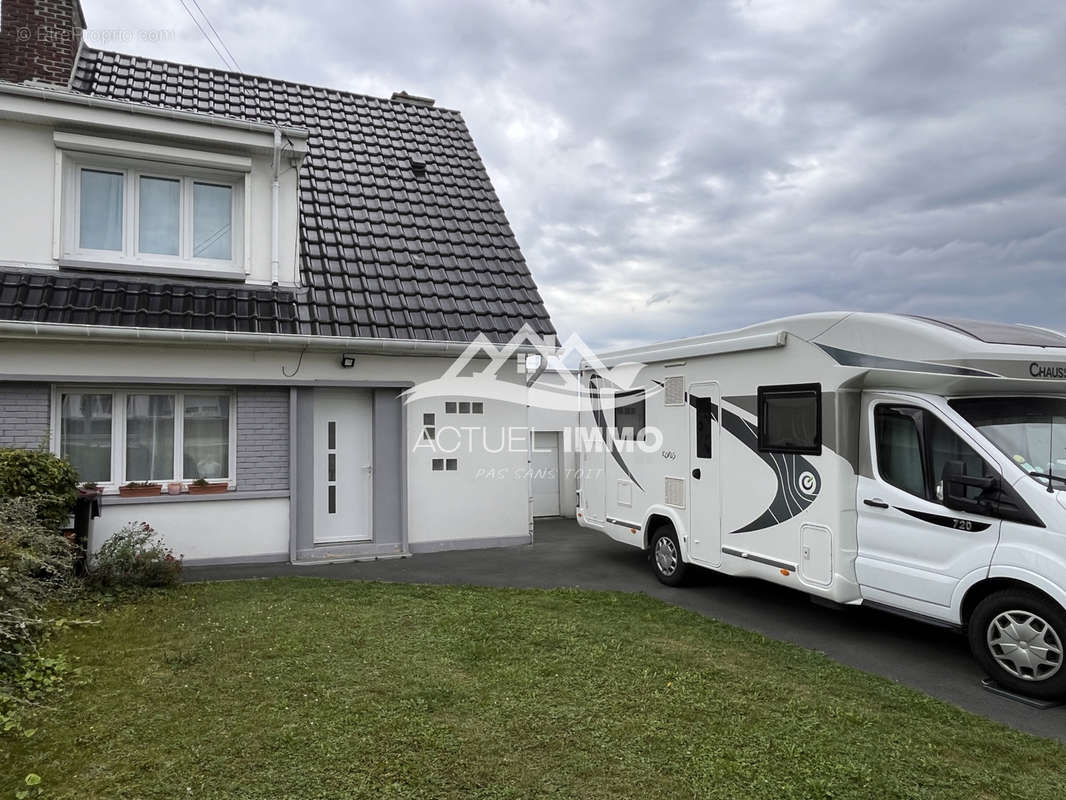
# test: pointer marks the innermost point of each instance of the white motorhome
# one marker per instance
(912, 464)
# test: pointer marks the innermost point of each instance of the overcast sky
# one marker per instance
(676, 168)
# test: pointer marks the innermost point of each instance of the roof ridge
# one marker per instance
(284, 81)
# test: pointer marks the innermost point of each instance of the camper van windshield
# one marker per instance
(1029, 430)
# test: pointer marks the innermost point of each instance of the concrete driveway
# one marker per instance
(930, 659)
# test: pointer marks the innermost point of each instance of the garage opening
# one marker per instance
(545, 467)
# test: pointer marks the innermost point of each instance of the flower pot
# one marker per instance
(211, 488)
(140, 491)
(174, 487)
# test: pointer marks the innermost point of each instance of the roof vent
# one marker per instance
(418, 167)
(413, 99)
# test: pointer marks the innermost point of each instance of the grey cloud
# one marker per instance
(731, 158)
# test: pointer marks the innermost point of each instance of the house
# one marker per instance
(223, 285)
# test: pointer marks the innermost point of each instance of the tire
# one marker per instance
(1019, 638)
(665, 555)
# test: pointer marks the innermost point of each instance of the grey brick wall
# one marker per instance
(262, 439)
(24, 414)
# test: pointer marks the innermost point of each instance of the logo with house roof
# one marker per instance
(530, 369)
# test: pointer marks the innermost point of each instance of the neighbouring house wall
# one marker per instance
(262, 439)
(206, 530)
(24, 414)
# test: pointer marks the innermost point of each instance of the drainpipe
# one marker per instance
(275, 191)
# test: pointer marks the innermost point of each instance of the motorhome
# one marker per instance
(912, 464)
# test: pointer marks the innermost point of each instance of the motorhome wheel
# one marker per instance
(666, 557)
(1019, 637)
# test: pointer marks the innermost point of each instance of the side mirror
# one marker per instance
(956, 483)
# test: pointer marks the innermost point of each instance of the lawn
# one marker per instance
(316, 689)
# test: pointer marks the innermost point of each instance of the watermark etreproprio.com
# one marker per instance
(60, 34)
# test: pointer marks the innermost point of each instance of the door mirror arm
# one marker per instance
(956, 482)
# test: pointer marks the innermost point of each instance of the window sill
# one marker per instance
(229, 273)
(118, 500)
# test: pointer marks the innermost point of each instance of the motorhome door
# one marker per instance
(705, 503)
(912, 550)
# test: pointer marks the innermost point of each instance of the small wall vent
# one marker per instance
(674, 493)
(674, 391)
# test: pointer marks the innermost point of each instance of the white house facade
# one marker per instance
(221, 286)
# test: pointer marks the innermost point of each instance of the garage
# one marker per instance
(545, 473)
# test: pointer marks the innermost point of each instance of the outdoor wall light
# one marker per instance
(347, 361)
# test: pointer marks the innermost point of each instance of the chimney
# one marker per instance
(39, 40)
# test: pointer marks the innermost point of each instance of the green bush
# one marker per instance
(36, 568)
(135, 556)
(49, 480)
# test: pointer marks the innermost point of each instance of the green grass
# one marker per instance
(317, 689)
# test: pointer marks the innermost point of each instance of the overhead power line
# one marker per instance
(226, 57)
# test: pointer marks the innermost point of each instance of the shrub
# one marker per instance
(135, 556)
(49, 480)
(36, 567)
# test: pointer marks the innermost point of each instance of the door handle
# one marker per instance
(696, 473)
(876, 503)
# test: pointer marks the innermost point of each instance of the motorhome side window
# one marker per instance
(629, 416)
(913, 446)
(790, 419)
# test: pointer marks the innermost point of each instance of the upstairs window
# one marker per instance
(129, 212)
(790, 419)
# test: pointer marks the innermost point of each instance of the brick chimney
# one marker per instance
(39, 40)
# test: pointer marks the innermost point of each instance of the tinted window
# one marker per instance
(704, 428)
(899, 449)
(913, 447)
(790, 419)
(629, 415)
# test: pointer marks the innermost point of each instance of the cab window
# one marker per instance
(913, 445)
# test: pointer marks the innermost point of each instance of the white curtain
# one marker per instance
(212, 221)
(101, 210)
(159, 201)
(149, 437)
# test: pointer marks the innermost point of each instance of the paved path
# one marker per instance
(930, 659)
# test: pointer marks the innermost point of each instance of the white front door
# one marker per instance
(705, 516)
(343, 424)
(912, 550)
(545, 466)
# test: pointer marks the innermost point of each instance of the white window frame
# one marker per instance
(118, 429)
(132, 170)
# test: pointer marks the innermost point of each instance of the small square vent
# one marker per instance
(674, 391)
(675, 492)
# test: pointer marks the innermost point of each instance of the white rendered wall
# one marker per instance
(207, 530)
(486, 499)
(27, 206)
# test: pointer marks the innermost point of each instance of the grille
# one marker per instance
(675, 492)
(674, 391)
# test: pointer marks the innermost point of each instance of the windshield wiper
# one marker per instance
(1048, 476)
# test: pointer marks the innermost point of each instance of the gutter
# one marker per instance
(366, 345)
(275, 193)
(92, 101)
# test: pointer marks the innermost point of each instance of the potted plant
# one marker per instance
(139, 489)
(202, 486)
(174, 487)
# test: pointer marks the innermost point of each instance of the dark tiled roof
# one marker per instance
(91, 300)
(384, 251)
